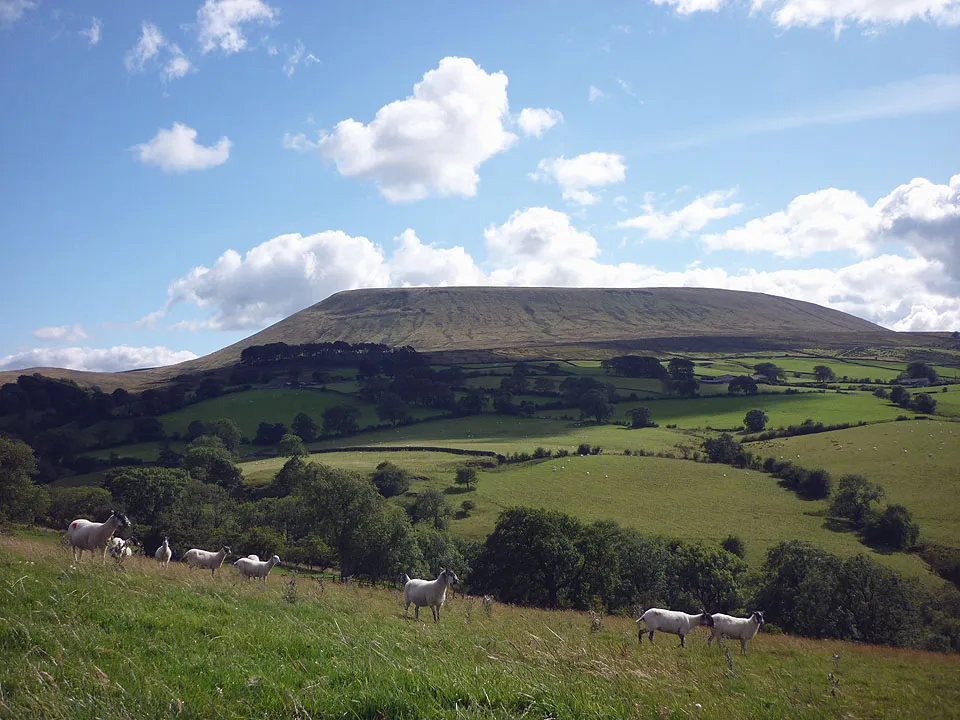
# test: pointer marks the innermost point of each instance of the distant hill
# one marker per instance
(507, 321)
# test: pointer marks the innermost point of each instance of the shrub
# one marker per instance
(815, 485)
(925, 403)
(755, 420)
(467, 476)
(583, 449)
(724, 449)
(853, 499)
(734, 544)
(893, 528)
(390, 479)
(291, 445)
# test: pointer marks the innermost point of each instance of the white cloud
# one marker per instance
(578, 174)
(625, 29)
(536, 121)
(299, 55)
(147, 48)
(12, 10)
(687, 220)
(177, 150)
(220, 22)
(70, 333)
(113, 359)
(299, 142)
(416, 263)
(432, 142)
(538, 235)
(839, 13)
(594, 93)
(92, 33)
(921, 214)
(147, 53)
(279, 277)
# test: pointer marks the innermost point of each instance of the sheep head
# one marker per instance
(758, 616)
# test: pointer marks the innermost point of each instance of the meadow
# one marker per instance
(915, 462)
(93, 641)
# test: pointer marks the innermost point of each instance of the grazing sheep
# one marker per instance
(671, 621)
(742, 629)
(249, 568)
(120, 549)
(430, 593)
(205, 559)
(83, 534)
(163, 553)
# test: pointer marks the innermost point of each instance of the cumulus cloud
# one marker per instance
(70, 333)
(594, 93)
(92, 33)
(536, 121)
(177, 150)
(839, 13)
(220, 23)
(578, 174)
(12, 10)
(687, 220)
(112, 359)
(146, 53)
(432, 142)
(279, 277)
(416, 263)
(920, 214)
(298, 56)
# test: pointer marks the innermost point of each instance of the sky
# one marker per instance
(177, 175)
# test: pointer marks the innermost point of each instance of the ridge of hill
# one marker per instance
(466, 322)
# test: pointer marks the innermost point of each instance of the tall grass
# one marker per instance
(93, 641)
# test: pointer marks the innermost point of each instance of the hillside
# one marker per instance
(550, 322)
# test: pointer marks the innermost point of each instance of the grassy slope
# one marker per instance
(94, 642)
(915, 462)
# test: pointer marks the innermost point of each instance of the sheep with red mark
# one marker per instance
(83, 534)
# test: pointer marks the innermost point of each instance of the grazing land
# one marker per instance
(97, 642)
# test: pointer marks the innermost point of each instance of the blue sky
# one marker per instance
(178, 175)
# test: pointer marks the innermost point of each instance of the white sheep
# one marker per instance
(205, 559)
(82, 534)
(249, 568)
(432, 593)
(742, 629)
(671, 621)
(163, 553)
(120, 549)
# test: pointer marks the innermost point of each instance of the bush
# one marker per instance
(291, 445)
(724, 449)
(893, 528)
(853, 500)
(583, 449)
(390, 479)
(734, 545)
(925, 403)
(467, 476)
(755, 420)
(815, 485)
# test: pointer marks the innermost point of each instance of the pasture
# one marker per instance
(915, 462)
(96, 642)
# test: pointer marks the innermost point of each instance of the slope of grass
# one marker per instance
(97, 642)
(915, 462)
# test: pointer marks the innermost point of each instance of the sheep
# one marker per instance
(742, 629)
(671, 621)
(206, 559)
(163, 553)
(82, 534)
(120, 549)
(428, 592)
(249, 568)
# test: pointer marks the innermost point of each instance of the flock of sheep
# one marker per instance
(83, 535)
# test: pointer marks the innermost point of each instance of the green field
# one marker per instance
(95, 642)
(915, 462)
(728, 411)
(249, 409)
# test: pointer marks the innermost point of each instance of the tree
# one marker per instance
(545, 385)
(707, 577)
(503, 404)
(755, 420)
(291, 445)
(743, 384)
(733, 544)
(918, 370)
(269, 433)
(212, 465)
(227, 430)
(893, 528)
(392, 408)
(340, 419)
(594, 404)
(682, 380)
(20, 499)
(391, 479)
(640, 417)
(146, 429)
(430, 506)
(769, 370)
(473, 402)
(854, 499)
(466, 475)
(723, 449)
(69, 503)
(304, 427)
(899, 395)
(815, 485)
(195, 429)
(925, 403)
(146, 491)
(823, 373)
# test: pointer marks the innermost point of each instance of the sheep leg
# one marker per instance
(104, 554)
(651, 637)
(682, 641)
(416, 611)
(710, 639)
(743, 646)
